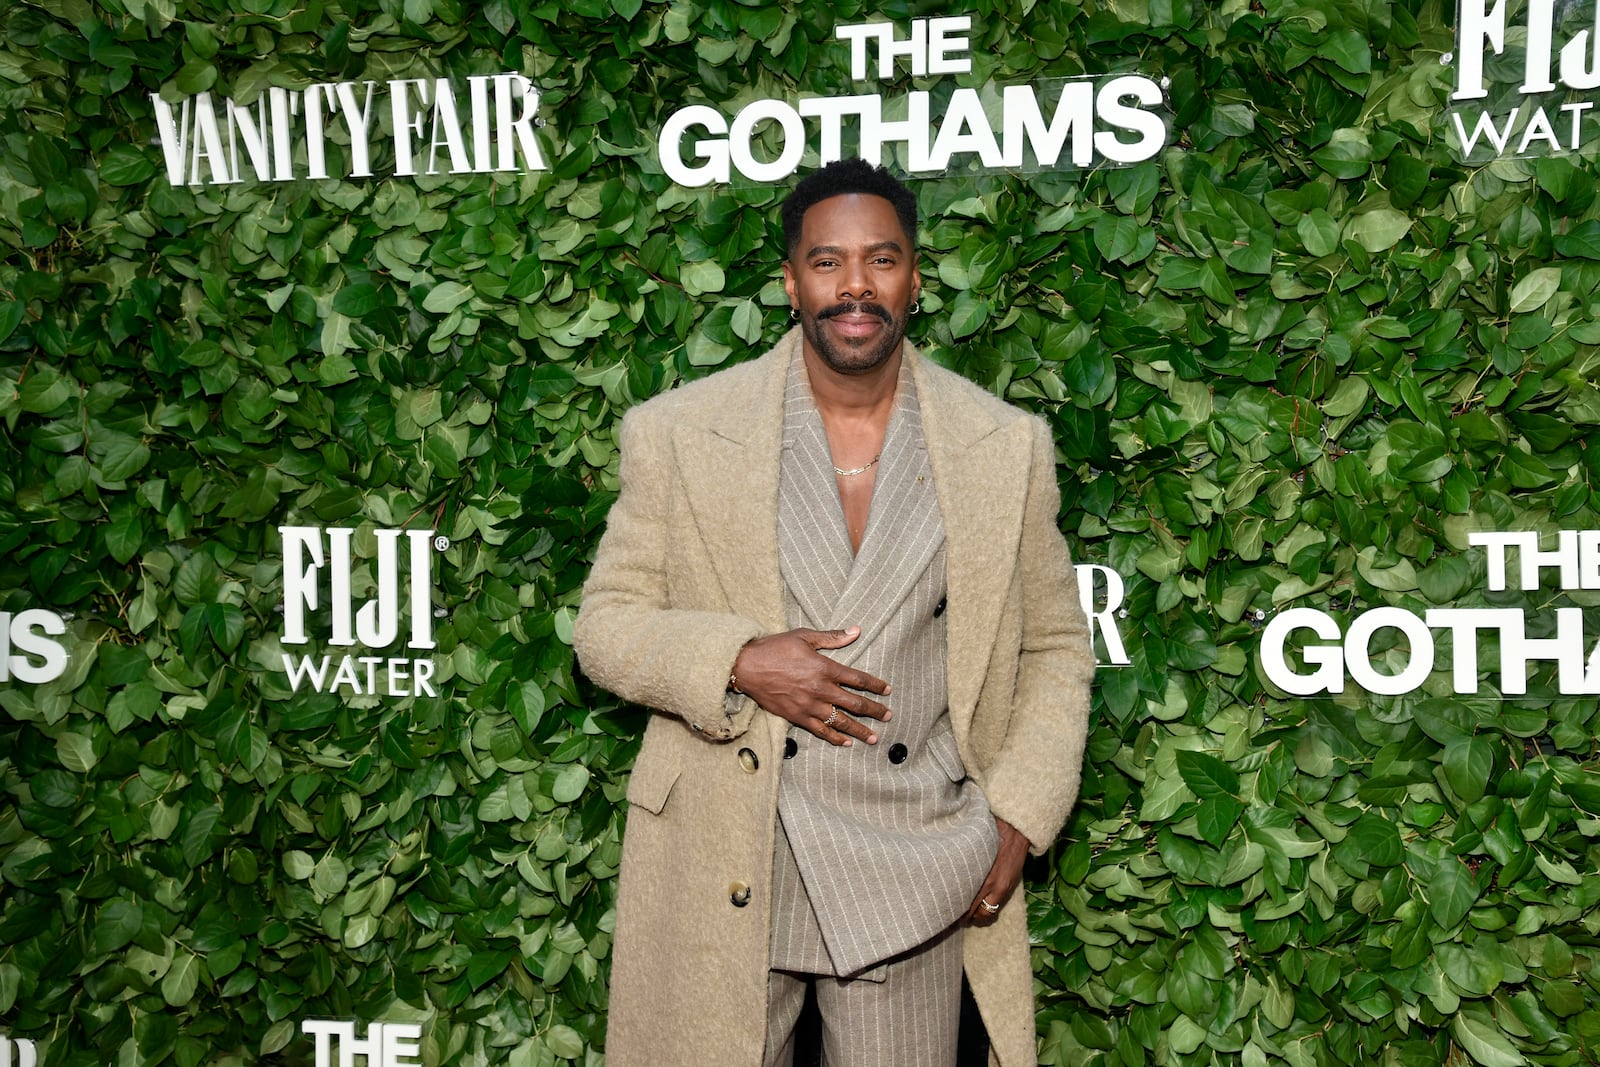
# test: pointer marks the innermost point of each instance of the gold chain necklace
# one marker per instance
(858, 470)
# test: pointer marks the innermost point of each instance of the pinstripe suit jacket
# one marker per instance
(688, 571)
(883, 846)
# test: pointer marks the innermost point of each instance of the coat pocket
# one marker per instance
(942, 747)
(651, 782)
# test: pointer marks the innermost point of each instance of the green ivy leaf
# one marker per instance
(1206, 775)
(76, 752)
(298, 865)
(1468, 763)
(11, 981)
(968, 313)
(11, 314)
(181, 980)
(1451, 894)
(1485, 1042)
(1379, 230)
(1217, 817)
(44, 391)
(356, 301)
(116, 924)
(570, 783)
(1116, 236)
(702, 277)
(1319, 233)
(125, 535)
(1535, 289)
(446, 297)
(1583, 241)
(1348, 48)
(565, 1042)
(747, 322)
(1377, 840)
(118, 456)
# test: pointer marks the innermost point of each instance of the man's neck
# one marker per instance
(853, 396)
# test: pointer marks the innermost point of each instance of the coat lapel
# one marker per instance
(982, 520)
(730, 476)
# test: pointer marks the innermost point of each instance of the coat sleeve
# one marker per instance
(1033, 781)
(629, 637)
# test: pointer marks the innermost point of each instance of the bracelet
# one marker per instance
(733, 674)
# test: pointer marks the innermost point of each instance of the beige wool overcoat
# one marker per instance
(687, 572)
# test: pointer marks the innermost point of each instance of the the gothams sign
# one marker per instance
(1062, 122)
(29, 651)
(384, 1045)
(406, 127)
(1506, 641)
(1525, 75)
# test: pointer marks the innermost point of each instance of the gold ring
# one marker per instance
(831, 719)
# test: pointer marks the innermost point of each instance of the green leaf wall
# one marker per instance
(1291, 362)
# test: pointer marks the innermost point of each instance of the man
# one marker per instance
(836, 574)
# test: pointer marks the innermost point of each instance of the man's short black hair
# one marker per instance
(840, 178)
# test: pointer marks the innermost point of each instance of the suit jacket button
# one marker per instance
(938, 609)
(897, 753)
(747, 760)
(738, 894)
(789, 748)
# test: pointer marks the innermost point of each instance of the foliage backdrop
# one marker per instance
(1291, 362)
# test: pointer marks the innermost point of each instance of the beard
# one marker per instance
(853, 356)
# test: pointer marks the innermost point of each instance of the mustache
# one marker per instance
(850, 307)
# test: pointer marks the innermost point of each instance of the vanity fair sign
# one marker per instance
(319, 576)
(1079, 122)
(426, 126)
(1555, 49)
(1333, 657)
(1102, 610)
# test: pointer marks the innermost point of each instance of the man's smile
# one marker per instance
(856, 321)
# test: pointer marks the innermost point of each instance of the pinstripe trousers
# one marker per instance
(906, 1013)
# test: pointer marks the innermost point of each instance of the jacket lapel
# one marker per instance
(903, 530)
(982, 519)
(813, 545)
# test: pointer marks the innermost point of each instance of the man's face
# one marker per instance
(852, 278)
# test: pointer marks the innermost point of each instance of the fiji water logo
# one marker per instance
(319, 581)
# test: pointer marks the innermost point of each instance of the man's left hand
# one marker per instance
(1004, 875)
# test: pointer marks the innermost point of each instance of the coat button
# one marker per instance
(747, 760)
(897, 753)
(789, 748)
(738, 894)
(938, 609)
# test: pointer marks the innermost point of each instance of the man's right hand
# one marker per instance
(786, 675)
